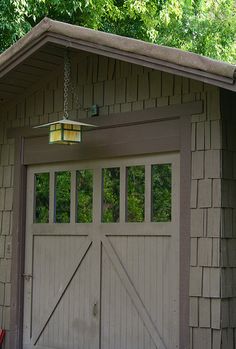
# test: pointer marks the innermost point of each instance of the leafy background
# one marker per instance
(207, 27)
(135, 195)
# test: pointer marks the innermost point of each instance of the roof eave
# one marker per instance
(157, 64)
(42, 35)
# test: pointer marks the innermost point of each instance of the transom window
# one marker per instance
(133, 193)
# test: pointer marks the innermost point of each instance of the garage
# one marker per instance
(126, 239)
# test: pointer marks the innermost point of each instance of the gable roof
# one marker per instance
(51, 32)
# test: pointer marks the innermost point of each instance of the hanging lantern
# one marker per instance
(65, 131)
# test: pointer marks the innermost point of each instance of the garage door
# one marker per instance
(102, 254)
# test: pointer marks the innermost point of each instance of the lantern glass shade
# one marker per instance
(64, 133)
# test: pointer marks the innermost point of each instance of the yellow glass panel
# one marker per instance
(76, 127)
(67, 127)
(58, 126)
(52, 127)
(55, 136)
(73, 136)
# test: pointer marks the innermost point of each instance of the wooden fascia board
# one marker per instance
(156, 64)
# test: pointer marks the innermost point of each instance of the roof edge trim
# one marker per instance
(199, 67)
(137, 59)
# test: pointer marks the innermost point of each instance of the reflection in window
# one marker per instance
(41, 198)
(84, 196)
(111, 195)
(135, 193)
(161, 193)
(62, 194)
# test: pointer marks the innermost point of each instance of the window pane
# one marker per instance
(84, 196)
(62, 194)
(42, 198)
(161, 193)
(135, 193)
(111, 195)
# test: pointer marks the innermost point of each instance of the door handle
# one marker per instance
(27, 277)
(95, 309)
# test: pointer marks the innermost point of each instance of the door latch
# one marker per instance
(27, 277)
(95, 309)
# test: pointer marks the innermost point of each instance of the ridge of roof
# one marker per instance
(181, 58)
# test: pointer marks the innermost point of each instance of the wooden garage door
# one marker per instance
(102, 255)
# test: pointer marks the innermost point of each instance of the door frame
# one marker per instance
(97, 242)
(181, 143)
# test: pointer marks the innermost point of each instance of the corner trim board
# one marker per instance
(18, 242)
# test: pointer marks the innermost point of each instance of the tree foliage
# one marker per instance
(135, 187)
(206, 27)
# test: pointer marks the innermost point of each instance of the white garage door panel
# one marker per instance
(64, 315)
(147, 264)
(122, 326)
(103, 285)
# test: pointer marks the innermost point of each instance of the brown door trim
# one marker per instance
(18, 243)
(107, 143)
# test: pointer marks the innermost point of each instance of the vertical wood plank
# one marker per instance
(58, 97)
(82, 69)
(48, 99)
(148, 179)
(39, 102)
(122, 194)
(125, 69)
(137, 69)
(94, 274)
(132, 88)
(30, 106)
(102, 68)
(155, 84)
(98, 94)
(95, 68)
(52, 198)
(90, 67)
(88, 95)
(111, 68)
(109, 92)
(120, 89)
(167, 84)
(97, 195)
(73, 195)
(143, 86)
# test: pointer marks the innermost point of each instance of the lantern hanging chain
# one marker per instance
(67, 75)
(69, 86)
